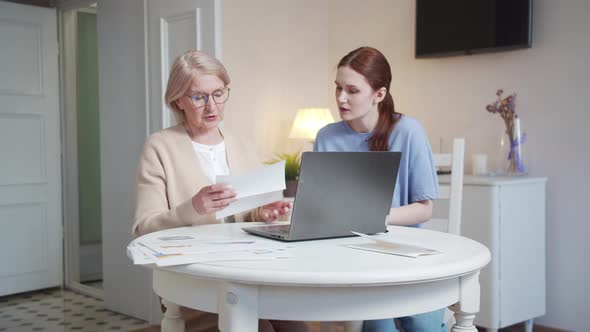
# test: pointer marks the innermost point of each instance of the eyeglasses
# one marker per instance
(219, 96)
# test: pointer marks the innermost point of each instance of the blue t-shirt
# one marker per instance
(416, 179)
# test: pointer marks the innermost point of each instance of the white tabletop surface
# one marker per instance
(330, 263)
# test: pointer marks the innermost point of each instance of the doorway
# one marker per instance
(81, 148)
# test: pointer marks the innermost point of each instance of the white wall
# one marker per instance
(122, 93)
(276, 53)
(281, 55)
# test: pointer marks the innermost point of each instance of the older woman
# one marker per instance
(177, 168)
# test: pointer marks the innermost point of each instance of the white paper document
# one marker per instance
(188, 245)
(139, 256)
(390, 247)
(249, 255)
(180, 250)
(259, 187)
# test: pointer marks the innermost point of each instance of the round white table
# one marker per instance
(325, 281)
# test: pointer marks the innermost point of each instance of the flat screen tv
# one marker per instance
(455, 27)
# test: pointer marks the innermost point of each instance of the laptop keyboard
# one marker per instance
(275, 229)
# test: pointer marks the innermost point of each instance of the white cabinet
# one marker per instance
(507, 215)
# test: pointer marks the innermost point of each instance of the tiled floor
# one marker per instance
(58, 310)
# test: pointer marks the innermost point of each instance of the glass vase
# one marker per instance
(511, 161)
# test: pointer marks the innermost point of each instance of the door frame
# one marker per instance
(67, 34)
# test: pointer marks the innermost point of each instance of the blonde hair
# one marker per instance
(184, 69)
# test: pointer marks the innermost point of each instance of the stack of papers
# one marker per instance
(256, 188)
(180, 250)
(386, 246)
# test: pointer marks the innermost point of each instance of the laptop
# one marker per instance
(338, 192)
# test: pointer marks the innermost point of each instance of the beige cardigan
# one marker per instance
(169, 175)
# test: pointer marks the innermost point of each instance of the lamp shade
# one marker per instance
(308, 121)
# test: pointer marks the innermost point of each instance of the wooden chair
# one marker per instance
(452, 192)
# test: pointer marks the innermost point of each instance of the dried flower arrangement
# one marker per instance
(505, 107)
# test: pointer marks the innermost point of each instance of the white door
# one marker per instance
(30, 176)
(137, 41)
(175, 27)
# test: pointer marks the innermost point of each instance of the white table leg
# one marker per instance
(172, 321)
(528, 325)
(468, 304)
(238, 308)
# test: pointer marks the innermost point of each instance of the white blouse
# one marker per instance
(213, 159)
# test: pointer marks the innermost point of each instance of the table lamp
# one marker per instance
(308, 121)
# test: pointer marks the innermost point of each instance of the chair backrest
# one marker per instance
(453, 192)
